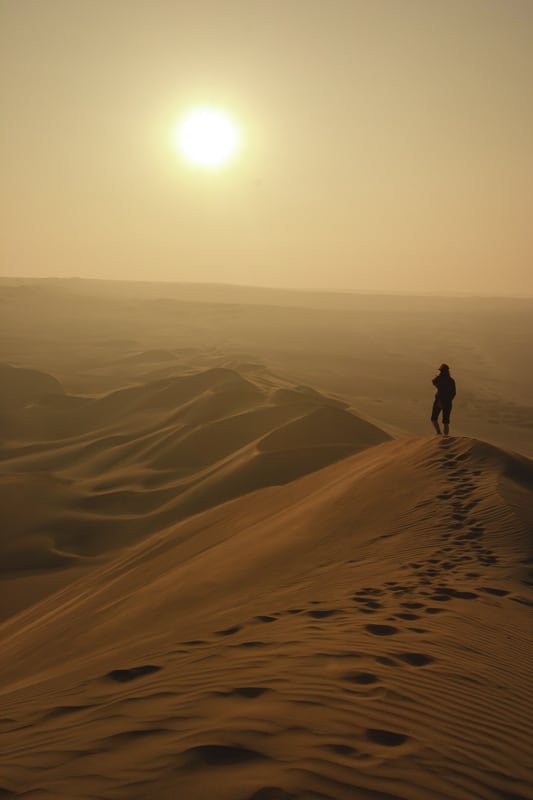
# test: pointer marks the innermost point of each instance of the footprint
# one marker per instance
(491, 590)
(125, 675)
(522, 600)
(416, 659)
(323, 613)
(468, 537)
(228, 631)
(265, 618)
(385, 738)
(458, 595)
(370, 603)
(407, 615)
(364, 678)
(381, 630)
(433, 610)
(412, 605)
(340, 749)
(218, 755)
(128, 737)
(251, 644)
(388, 662)
(61, 711)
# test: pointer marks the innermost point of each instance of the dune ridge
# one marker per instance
(346, 634)
(81, 477)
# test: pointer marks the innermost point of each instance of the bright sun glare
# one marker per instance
(207, 137)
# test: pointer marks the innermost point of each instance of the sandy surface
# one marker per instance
(221, 578)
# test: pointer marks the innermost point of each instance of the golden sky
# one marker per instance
(386, 144)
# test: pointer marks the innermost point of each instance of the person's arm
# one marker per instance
(453, 389)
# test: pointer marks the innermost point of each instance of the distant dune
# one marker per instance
(362, 631)
(222, 578)
(378, 352)
(23, 387)
(82, 477)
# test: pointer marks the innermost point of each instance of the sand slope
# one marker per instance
(362, 632)
(81, 476)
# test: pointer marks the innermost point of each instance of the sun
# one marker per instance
(207, 137)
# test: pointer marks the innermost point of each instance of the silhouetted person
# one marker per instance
(445, 385)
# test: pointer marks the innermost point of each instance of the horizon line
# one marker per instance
(288, 289)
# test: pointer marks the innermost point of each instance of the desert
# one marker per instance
(236, 561)
(266, 415)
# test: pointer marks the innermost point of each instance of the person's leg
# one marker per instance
(446, 410)
(435, 411)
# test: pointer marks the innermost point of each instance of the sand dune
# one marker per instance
(82, 477)
(360, 632)
(23, 387)
(378, 352)
(222, 579)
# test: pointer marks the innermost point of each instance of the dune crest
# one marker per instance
(347, 634)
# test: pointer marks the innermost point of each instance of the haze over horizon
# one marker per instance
(385, 146)
(266, 451)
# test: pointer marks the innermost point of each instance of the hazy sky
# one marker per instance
(387, 144)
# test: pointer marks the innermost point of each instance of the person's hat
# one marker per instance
(444, 368)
